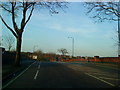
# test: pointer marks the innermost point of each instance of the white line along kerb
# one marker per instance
(18, 75)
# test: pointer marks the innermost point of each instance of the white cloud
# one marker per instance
(64, 28)
(71, 29)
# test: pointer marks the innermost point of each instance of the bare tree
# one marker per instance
(102, 11)
(9, 41)
(39, 54)
(24, 9)
(63, 51)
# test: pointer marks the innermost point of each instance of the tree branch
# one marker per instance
(5, 9)
(13, 16)
(30, 15)
(103, 10)
(8, 27)
(110, 9)
(24, 16)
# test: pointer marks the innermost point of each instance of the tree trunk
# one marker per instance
(118, 37)
(9, 49)
(18, 50)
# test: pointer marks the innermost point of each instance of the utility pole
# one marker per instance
(72, 46)
(34, 48)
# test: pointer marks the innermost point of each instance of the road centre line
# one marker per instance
(38, 66)
(36, 74)
(18, 75)
(100, 79)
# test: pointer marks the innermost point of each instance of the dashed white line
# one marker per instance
(36, 74)
(38, 66)
(99, 79)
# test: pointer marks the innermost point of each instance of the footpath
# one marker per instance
(10, 71)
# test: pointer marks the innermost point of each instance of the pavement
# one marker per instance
(65, 75)
(9, 71)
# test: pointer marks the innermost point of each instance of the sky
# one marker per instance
(50, 33)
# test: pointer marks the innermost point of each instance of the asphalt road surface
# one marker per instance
(66, 75)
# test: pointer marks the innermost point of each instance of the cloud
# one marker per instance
(71, 29)
(64, 28)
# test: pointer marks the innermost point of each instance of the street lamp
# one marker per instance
(34, 48)
(72, 45)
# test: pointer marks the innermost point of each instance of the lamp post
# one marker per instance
(72, 46)
(34, 48)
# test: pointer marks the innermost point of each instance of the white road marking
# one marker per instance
(106, 74)
(37, 71)
(100, 79)
(18, 75)
(108, 67)
(38, 66)
(36, 74)
(109, 78)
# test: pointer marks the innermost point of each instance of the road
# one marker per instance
(66, 75)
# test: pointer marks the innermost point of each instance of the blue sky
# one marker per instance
(50, 33)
